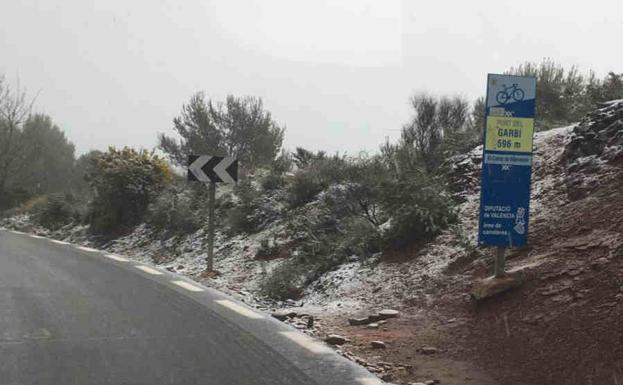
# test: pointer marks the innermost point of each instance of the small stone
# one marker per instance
(335, 339)
(428, 350)
(373, 326)
(388, 313)
(378, 345)
(358, 321)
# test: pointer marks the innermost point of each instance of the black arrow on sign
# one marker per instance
(215, 169)
(208, 169)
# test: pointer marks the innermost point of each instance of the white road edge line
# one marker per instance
(84, 248)
(186, 285)
(148, 270)
(17, 232)
(116, 258)
(59, 242)
(36, 236)
(239, 309)
(369, 381)
(307, 342)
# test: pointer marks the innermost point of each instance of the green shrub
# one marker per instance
(240, 217)
(55, 210)
(124, 183)
(326, 238)
(275, 178)
(173, 213)
(272, 181)
(14, 197)
(318, 173)
(304, 187)
(419, 207)
(286, 281)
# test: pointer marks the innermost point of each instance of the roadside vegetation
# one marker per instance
(332, 207)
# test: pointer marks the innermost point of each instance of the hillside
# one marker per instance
(561, 327)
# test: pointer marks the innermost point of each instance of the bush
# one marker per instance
(275, 179)
(286, 281)
(272, 181)
(419, 207)
(304, 187)
(317, 172)
(325, 237)
(55, 210)
(564, 95)
(174, 213)
(239, 216)
(125, 182)
(251, 211)
(14, 197)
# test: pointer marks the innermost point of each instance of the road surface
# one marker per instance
(70, 315)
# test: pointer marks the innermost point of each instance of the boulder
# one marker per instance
(492, 286)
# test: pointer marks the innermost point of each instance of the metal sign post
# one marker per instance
(212, 170)
(506, 164)
(211, 199)
(499, 269)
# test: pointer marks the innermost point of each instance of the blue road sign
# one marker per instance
(507, 160)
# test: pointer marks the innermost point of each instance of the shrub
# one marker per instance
(419, 207)
(172, 212)
(275, 178)
(304, 187)
(317, 172)
(14, 197)
(55, 210)
(272, 181)
(249, 212)
(124, 183)
(286, 281)
(325, 237)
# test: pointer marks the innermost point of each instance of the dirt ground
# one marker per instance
(563, 326)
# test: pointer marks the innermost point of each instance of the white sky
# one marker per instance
(337, 73)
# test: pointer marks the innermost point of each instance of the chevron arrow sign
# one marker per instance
(207, 168)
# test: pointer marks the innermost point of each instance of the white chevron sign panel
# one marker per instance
(215, 169)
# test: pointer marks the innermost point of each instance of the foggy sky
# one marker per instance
(337, 74)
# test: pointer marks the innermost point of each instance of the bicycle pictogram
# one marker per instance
(513, 92)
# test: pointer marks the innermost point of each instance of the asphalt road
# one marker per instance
(75, 316)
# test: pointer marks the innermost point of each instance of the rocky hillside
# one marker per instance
(562, 326)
